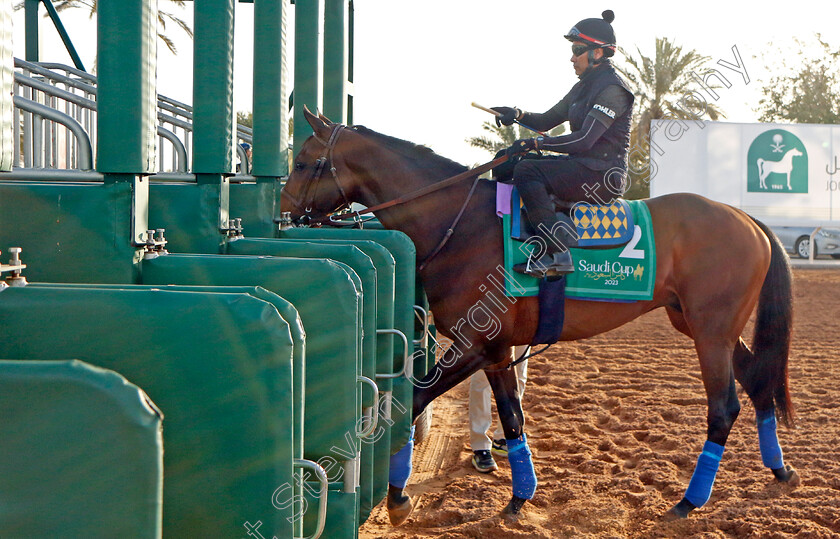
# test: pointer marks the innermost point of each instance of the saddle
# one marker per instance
(597, 226)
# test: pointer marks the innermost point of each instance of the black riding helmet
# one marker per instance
(597, 33)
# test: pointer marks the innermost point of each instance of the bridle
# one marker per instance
(327, 156)
(305, 205)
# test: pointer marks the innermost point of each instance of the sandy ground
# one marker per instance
(616, 423)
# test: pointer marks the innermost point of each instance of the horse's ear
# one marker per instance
(321, 128)
(324, 119)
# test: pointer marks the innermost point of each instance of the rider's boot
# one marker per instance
(547, 266)
(557, 259)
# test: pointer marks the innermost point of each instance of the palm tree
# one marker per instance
(664, 84)
(665, 88)
(163, 17)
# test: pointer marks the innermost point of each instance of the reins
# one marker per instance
(481, 169)
(329, 145)
(450, 230)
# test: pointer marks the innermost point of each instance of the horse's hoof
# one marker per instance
(787, 475)
(511, 511)
(679, 511)
(399, 509)
(400, 513)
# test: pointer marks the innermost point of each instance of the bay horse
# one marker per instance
(714, 265)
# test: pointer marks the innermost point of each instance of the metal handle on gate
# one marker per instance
(423, 315)
(408, 360)
(322, 496)
(374, 417)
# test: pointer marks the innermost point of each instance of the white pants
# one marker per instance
(480, 397)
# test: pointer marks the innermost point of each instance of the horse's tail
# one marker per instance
(760, 164)
(773, 327)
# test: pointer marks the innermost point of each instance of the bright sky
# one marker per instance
(420, 64)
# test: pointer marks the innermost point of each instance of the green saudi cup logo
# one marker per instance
(777, 162)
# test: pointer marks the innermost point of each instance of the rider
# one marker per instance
(598, 108)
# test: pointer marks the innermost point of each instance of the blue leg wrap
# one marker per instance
(521, 467)
(700, 487)
(771, 451)
(400, 466)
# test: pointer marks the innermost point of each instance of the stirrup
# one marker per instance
(553, 265)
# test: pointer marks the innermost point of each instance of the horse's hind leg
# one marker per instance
(744, 363)
(508, 404)
(723, 408)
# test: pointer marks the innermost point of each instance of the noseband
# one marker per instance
(305, 203)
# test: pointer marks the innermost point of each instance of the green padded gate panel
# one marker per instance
(82, 453)
(70, 232)
(420, 299)
(271, 95)
(405, 255)
(379, 313)
(218, 365)
(329, 303)
(127, 79)
(308, 75)
(366, 272)
(255, 203)
(213, 115)
(183, 210)
(286, 310)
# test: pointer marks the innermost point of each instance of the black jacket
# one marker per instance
(601, 96)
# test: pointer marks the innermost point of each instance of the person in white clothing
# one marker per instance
(481, 420)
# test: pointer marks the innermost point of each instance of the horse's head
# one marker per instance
(338, 165)
(795, 152)
(313, 189)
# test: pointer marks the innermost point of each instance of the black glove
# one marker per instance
(508, 115)
(522, 146)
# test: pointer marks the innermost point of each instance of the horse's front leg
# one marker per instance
(452, 368)
(508, 404)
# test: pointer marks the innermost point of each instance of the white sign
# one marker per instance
(782, 174)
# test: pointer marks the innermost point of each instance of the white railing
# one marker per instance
(57, 140)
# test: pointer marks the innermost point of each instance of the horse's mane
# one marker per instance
(417, 153)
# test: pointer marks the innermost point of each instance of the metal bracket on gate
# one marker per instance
(285, 221)
(373, 415)
(322, 495)
(408, 360)
(155, 244)
(352, 473)
(423, 316)
(234, 229)
(15, 266)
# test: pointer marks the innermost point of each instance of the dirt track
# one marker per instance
(616, 423)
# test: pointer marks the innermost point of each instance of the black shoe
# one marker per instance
(499, 448)
(552, 265)
(483, 461)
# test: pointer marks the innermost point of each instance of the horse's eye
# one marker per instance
(300, 166)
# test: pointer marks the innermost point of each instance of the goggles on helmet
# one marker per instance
(577, 50)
